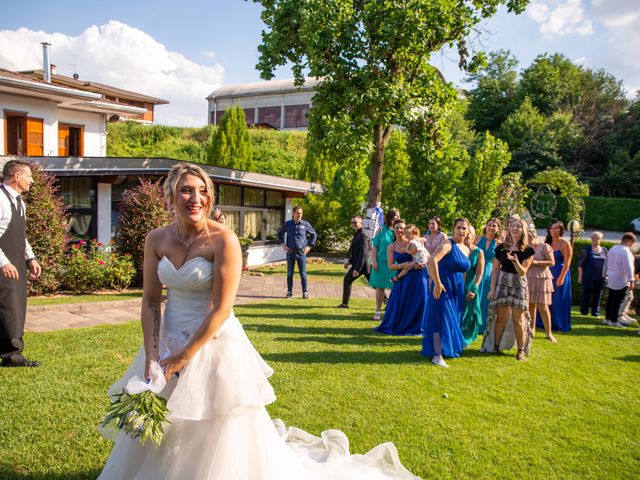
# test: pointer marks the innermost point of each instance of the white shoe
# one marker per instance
(605, 322)
(617, 324)
(439, 361)
(626, 320)
(376, 316)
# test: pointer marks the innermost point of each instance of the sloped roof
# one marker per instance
(271, 86)
(94, 87)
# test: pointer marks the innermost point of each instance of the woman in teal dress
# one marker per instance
(380, 277)
(472, 316)
(487, 243)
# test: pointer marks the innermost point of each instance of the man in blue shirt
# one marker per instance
(297, 247)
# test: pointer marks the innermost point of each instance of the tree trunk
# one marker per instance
(381, 135)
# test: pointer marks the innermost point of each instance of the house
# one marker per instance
(255, 204)
(49, 114)
(60, 123)
(278, 104)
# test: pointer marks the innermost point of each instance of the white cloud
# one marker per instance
(581, 61)
(558, 18)
(621, 19)
(209, 54)
(125, 57)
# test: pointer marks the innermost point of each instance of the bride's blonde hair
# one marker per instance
(176, 174)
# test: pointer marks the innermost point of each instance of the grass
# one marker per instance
(567, 413)
(88, 298)
(324, 271)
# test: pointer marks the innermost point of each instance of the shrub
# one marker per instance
(46, 230)
(120, 269)
(84, 268)
(142, 209)
(611, 213)
(91, 267)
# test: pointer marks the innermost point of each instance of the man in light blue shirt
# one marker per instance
(300, 238)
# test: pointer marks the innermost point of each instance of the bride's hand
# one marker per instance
(147, 365)
(173, 363)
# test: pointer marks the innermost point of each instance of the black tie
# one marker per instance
(19, 205)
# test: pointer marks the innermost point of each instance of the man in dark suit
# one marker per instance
(358, 261)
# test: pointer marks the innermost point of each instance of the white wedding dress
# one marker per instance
(220, 429)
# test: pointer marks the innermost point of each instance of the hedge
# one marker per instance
(611, 213)
(578, 247)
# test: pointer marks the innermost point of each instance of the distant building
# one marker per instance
(275, 104)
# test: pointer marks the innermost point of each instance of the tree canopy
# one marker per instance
(373, 59)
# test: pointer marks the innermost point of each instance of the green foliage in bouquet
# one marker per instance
(139, 415)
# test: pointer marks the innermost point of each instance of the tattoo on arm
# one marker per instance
(155, 312)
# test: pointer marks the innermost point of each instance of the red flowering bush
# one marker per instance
(90, 267)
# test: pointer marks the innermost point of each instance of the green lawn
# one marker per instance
(569, 412)
(88, 298)
(330, 272)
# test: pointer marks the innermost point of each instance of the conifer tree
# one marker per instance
(230, 143)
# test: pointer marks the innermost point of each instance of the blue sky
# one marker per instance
(182, 52)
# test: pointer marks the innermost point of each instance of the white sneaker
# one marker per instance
(605, 322)
(626, 320)
(439, 361)
(617, 324)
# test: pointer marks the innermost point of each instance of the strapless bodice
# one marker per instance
(188, 300)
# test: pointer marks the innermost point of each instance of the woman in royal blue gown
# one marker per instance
(407, 306)
(487, 243)
(562, 295)
(445, 305)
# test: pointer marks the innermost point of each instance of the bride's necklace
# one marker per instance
(186, 243)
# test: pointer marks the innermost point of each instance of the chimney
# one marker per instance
(46, 62)
(53, 69)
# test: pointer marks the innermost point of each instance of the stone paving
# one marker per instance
(252, 289)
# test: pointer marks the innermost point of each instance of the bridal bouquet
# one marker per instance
(139, 411)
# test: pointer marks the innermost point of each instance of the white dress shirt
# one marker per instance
(619, 267)
(5, 219)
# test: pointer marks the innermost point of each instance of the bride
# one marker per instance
(219, 427)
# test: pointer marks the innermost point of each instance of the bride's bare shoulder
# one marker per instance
(158, 234)
(222, 235)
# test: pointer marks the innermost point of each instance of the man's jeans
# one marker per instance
(301, 259)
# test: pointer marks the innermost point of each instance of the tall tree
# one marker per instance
(495, 94)
(230, 143)
(373, 59)
(483, 179)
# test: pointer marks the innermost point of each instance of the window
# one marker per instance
(25, 135)
(79, 196)
(270, 115)
(275, 199)
(295, 116)
(253, 197)
(70, 140)
(250, 115)
(229, 195)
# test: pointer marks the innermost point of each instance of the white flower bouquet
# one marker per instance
(139, 411)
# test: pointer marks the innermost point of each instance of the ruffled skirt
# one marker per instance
(219, 427)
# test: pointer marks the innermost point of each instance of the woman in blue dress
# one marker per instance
(487, 243)
(445, 304)
(562, 296)
(407, 306)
